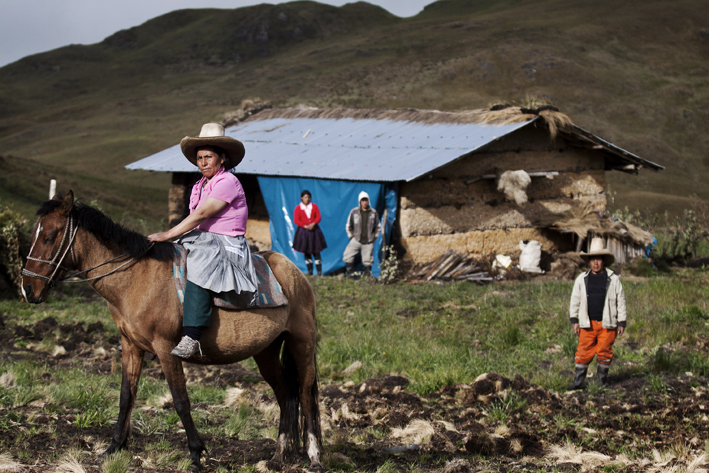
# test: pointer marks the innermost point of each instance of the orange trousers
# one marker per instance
(596, 341)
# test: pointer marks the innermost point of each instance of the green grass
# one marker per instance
(435, 335)
(408, 329)
(119, 462)
(238, 421)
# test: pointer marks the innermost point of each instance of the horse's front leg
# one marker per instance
(132, 365)
(175, 377)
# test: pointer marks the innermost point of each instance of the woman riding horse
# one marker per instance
(218, 258)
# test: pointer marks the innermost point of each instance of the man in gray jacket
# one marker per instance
(597, 312)
(362, 228)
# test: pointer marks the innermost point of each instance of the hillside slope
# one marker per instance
(635, 73)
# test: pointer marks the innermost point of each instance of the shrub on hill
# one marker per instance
(10, 258)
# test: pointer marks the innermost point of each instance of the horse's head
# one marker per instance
(51, 242)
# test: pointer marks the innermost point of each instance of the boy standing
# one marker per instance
(597, 312)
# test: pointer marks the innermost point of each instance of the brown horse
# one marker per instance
(136, 279)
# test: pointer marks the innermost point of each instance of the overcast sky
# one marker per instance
(33, 26)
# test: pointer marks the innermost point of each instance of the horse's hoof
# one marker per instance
(113, 448)
(316, 468)
(196, 463)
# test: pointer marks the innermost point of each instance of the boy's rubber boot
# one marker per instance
(349, 269)
(603, 375)
(579, 378)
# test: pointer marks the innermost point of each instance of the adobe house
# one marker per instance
(436, 174)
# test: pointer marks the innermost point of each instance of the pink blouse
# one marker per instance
(224, 186)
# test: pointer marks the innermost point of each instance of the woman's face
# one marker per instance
(209, 162)
(305, 199)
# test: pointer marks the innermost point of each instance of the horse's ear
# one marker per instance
(67, 203)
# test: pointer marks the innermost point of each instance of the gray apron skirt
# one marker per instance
(220, 263)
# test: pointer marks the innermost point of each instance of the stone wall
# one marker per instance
(422, 249)
(457, 208)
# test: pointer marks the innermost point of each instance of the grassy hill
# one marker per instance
(634, 72)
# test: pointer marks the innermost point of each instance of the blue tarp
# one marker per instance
(335, 200)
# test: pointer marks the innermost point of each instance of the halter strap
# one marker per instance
(72, 229)
(69, 229)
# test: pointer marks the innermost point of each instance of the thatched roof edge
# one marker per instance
(505, 116)
(606, 227)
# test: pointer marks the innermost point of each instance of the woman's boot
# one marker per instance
(318, 264)
(309, 264)
(603, 375)
(579, 378)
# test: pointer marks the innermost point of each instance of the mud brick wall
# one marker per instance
(445, 211)
(258, 232)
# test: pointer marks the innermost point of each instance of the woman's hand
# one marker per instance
(162, 236)
(310, 226)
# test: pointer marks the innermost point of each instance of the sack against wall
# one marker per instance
(530, 256)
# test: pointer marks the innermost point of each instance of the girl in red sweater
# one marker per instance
(308, 239)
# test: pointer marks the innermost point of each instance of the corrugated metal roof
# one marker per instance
(344, 148)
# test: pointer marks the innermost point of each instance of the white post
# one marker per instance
(52, 188)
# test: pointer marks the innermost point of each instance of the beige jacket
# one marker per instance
(613, 310)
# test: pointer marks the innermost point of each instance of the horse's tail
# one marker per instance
(294, 419)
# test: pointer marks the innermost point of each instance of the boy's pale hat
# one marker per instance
(363, 195)
(598, 248)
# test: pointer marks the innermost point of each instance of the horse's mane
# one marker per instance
(96, 222)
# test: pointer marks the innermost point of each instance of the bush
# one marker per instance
(10, 258)
(684, 237)
(389, 268)
(640, 267)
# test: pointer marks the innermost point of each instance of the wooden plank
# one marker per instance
(442, 265)
(459, 264)
(423, 270)
(466, 271)
(448, 266)
(435, 265)
(462, 266)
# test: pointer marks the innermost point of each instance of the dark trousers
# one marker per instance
(197, 309)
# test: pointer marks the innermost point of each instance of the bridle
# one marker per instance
(70, 229)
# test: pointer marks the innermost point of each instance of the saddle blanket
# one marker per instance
(270, 293)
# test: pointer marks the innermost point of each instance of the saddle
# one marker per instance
(270, 293)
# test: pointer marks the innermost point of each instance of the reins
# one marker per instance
(71, 229)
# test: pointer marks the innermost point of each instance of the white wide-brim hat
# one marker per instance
(598, 248)
(212, 134)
